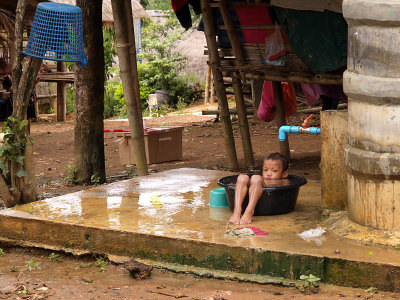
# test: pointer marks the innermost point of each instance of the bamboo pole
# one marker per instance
(237, 86)
(230, 30)
(132, 53)
(280, 117)
(243, 124)
(209, 32)
(295, 78)
(207, 90)
(122, 26)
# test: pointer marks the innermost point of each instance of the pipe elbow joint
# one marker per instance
(283, 130)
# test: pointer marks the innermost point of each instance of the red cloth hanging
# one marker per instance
(267, 111)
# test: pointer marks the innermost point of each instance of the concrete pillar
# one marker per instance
(333, 171)
(372, 82)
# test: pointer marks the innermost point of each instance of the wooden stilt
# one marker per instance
(122, 26)
(209, 32)
(61, 94)
(207, 90)
(280, 117)
(212, 93)
(237, 85)
(243, 123)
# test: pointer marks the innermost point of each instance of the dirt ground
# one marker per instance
(202, 144)
(38, 274)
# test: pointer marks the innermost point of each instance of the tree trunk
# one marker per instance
(18, 36)
(24, 80)
(5, 194)
(89, 98)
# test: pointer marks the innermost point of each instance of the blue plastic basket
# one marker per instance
(57, 33)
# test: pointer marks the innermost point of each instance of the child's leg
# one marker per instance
(242, 185)
(255, 192)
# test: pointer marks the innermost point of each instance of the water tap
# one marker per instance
(304, 124)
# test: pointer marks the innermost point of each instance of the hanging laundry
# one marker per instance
(313, 91)
(182, 11)
(267, 111)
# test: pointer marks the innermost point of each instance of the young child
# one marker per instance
(274, 168)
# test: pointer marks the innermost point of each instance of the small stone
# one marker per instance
(48, 132)
(337, 251)
(326, 212)
(306, 173)
(49, 169)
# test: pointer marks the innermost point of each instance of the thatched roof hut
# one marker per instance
(137, 10)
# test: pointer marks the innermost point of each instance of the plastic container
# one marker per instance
(57, 33)
(218, 198)
(274, 200)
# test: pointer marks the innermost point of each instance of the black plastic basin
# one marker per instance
(274, 200)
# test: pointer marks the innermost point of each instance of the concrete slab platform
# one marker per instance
(120, 219)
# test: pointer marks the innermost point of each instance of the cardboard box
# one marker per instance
(161, 144)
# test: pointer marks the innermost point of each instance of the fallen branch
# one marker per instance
(317, 109)
(169, 295)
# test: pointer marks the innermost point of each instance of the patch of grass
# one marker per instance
(101, 263)
(32, 264)
(310, 284)
(132, 173)
(12, 269)
(1, 252)
(54, 257)
(70, 175)
(95, 179)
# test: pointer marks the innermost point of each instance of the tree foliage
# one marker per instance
(161, 64)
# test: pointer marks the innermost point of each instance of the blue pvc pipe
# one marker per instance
(283, 130)
(287, 129)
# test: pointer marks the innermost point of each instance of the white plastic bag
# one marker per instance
(274, 49)
(315, 235)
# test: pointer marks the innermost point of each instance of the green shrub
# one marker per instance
(162, 65)
(70, 98)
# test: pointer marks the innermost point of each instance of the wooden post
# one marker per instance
(212, 93)
(237, 86)
(209, 32)
(207, 90)
(122, 26)
(333, 171)
(61, 94)
(280, 117)
(243, 124)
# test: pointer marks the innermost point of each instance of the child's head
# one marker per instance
(275, 166)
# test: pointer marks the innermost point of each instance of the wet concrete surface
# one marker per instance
(167, 216)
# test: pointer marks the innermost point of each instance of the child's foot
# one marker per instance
(235, 218)
(247, 218)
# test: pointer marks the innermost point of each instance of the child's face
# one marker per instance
(272, 169)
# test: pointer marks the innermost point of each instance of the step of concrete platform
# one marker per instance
(120, 219)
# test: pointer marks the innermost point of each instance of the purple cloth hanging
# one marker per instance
(312, 92)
